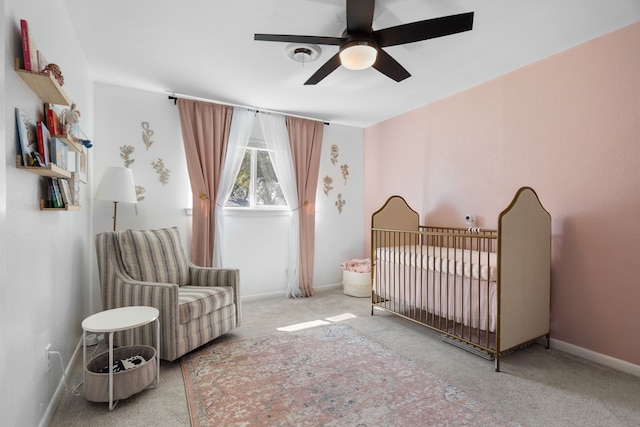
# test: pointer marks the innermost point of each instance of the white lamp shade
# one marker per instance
(358, 56)
(117, 185)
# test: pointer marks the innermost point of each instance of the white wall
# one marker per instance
(256, 243)
(337, 238)
(119, 116)
(46, 256)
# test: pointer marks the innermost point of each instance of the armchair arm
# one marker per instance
(207, 276)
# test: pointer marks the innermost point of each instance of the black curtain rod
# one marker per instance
(175, 101)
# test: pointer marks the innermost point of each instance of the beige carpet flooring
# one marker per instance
(538, 387)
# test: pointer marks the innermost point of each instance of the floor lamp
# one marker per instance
(116, 186)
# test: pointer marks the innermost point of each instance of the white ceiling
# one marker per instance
(205, 49)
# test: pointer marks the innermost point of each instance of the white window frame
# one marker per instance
(253, 147)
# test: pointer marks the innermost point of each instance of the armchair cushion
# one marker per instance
(154, 255)
(196, 301)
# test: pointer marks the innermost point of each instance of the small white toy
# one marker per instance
(70, 117)
(70, 120)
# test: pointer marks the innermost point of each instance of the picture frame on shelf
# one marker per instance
(82, 165)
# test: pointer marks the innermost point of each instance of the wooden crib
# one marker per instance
(485, 290)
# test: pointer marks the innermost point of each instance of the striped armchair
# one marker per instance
(149, 267)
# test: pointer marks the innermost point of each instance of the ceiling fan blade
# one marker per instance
(390, 67)
(360, 16)
(326, 69)
(334, 41)
(423, 30)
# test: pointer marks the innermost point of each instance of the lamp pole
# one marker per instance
(115, 210)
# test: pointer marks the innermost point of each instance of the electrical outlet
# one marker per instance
(47, 358)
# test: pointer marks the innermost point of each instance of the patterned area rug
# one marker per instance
(325, 376)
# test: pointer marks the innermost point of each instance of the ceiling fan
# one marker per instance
(360, 46)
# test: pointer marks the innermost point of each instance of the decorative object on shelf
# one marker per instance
(55, 72)
(116, 186)
(125, 154)
(27, 135)
(327, 180)
(334, 154)
(163, 172)
(340, 202)
(86, 142)
(146, 135)
(345, 172)
(70, 120)
(82, 165)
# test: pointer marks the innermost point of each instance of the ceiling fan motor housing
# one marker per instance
(358, 52)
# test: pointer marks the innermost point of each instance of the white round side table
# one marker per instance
(119, 319)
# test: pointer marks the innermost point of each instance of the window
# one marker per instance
(256, 186)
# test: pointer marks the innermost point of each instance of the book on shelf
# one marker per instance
(58, 152)
(53, 120)
(29, 55)
(56, 196)
(27, 137)
(37, 160)
(42, 61)
(44, 140)
(65, 191)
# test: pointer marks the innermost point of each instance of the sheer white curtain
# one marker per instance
(274, 129)
(241, 125)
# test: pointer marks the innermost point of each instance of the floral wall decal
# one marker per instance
(146, 135)
(161, 170)
(345, 172)
(334, 154)
(340, 202)
(139, 192)
(327, 184)
(125, 154)
(139, 196)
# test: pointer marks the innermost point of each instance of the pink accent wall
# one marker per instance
(569, 127)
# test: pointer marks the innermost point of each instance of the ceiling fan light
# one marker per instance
(358, 55)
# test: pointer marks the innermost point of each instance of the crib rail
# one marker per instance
(436, 276)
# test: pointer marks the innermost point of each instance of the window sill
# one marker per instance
(256, 212)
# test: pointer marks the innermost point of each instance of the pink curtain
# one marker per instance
(205, 132)
(305, 138)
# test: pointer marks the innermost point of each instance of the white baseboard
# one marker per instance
(600, 358)
(280, 294)
(60, 390)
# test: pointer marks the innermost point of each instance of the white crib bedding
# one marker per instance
(461, 262)
(456, 284)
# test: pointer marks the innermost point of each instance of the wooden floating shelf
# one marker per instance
(44, 85)
(52, 170)
(43, 207)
